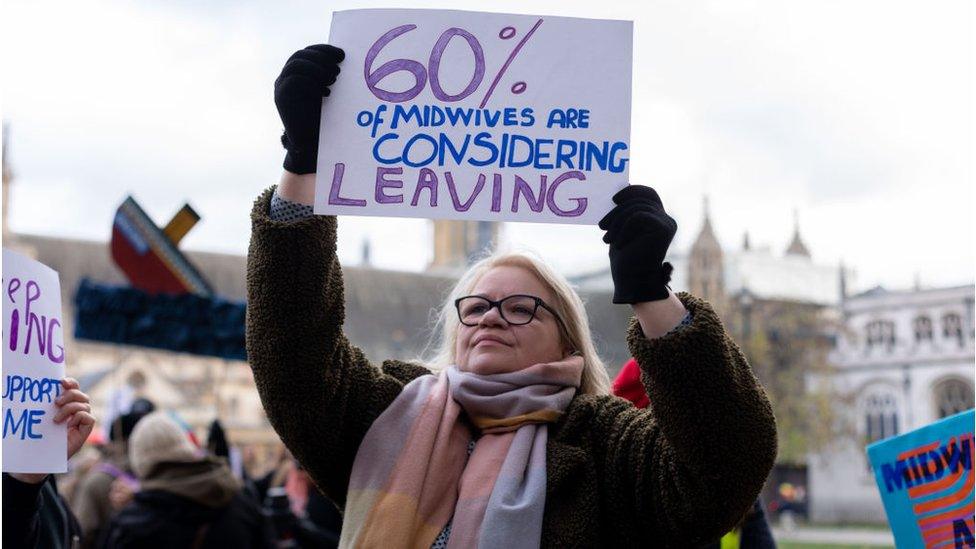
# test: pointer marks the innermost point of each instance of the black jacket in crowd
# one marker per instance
(35, 515)
(192, 505)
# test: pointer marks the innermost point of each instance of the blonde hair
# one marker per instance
(566, 302)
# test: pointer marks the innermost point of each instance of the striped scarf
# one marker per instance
(412, 473)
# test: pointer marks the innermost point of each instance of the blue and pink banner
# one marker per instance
(926, 482)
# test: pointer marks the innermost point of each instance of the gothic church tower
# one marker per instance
(705, 265)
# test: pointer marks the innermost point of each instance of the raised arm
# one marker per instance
(690, 466)
(319, 391)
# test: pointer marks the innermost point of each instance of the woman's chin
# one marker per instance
(491, 360)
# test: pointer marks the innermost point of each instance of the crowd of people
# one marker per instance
(150, 483)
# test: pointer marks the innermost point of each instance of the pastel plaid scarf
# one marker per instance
(412, 472)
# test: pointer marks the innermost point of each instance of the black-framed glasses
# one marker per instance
(516, 309)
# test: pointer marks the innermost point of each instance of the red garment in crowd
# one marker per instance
(296, 486)
(628, 385)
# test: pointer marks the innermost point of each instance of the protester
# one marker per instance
(186, 498)
(34, 514)
(299, 512)
(515, 441)
(275, 476)
(110, 483)
(218, 445)
(753, 531)
(321, 521)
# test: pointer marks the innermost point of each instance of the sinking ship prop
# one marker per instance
(169, 304)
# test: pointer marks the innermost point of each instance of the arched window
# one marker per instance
(923, 328)
(952, 327)
(953, 396)
(881, 333)
(880, 415)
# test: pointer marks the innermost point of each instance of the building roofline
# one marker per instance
(879, 291)
(194, 252)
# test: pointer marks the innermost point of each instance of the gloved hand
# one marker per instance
(639, 233)
(298, 94)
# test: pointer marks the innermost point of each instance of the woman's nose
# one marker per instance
(492, 317)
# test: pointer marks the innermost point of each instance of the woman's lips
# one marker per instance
(490, 341)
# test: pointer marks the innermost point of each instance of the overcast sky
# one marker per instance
(859, 114)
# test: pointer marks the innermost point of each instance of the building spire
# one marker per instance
(706, 236)
(797, 247)
(842, 272)
(705, 262)
(366, 253)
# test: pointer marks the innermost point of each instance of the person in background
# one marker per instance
(275, 475)
(121, 398)
(753, 531)
(109, 483)
(299, 512)
(219, 446)
(324, 521)
(34, 514)
(187, 498)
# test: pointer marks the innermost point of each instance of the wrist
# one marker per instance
(298, 188)
(658, 318)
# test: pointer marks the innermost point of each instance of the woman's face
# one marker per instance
(495, 346)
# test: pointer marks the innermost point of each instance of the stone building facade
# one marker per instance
(903, 360)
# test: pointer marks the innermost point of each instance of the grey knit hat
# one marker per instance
(158, 438)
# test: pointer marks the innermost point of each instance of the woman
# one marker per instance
(514, 440)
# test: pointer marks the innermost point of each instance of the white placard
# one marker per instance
(33, 365)
(484, 116)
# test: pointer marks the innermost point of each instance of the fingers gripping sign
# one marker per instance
(74, 410)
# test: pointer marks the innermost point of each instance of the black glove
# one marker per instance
(298, 94)
(639, 233)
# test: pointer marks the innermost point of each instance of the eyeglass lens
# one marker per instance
(515, 309)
